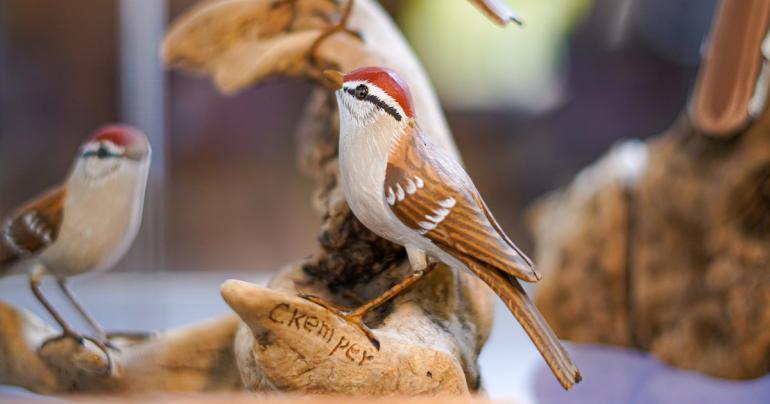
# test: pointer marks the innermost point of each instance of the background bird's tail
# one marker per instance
(515, 298)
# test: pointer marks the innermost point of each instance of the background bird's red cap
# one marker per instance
(121, 135)
(389, 81)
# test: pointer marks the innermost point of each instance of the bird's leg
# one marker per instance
(355, 317)
(93, 324)
(95, 327)
(67, 331)
(34, 283)
(339, 26)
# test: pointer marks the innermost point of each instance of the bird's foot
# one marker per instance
(102, 343)
(352, 317)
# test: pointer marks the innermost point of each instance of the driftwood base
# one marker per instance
(663, 246)
(191, 359)
(430, 339)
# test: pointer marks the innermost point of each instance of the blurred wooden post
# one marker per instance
(727, 81)
(143, 93)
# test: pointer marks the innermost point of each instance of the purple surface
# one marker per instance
(614, 375)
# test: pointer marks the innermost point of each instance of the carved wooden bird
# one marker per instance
(407, 189)
(86, 224)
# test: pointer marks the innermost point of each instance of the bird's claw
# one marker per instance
(352, 317)
(65, 335)
(102, 343)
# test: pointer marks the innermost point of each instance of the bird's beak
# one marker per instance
(335, 77)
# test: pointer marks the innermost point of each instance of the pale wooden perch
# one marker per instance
(194, 358)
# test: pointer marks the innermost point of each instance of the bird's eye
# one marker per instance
(102, 152)
(362, 91)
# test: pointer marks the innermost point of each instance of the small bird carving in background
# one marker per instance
(86, 224)
(408, 190)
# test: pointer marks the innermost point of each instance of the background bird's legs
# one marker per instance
(355, 317)
(95, 327)
(36, 276)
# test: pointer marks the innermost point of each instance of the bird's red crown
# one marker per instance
(389, 81)
(121, 135)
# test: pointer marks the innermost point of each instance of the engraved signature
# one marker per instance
(285, 314)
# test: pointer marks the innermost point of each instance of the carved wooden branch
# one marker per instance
(191, 359)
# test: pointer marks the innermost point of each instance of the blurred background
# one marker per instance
(528, 108)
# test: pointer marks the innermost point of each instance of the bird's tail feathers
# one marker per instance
(522, 268)
(515, 298)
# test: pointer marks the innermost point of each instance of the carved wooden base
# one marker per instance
(190, 359)
(430, 339)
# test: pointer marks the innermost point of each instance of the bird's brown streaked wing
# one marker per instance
(429, 192)
(533, 323)
(499, 229)
(32, 228)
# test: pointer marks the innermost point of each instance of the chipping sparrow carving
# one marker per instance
(408, 190)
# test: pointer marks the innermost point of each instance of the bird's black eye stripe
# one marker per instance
(102, 153)
(375, 100)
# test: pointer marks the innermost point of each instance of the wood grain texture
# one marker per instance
(430, 193)
(32, 228)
